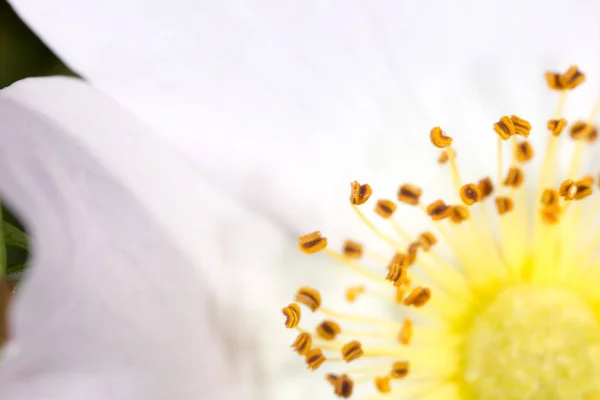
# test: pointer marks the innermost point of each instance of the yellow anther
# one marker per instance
(565, 187)
(550, 214)
(550, 197)
(556, 126)
(401, 292)
(352, 350)
(443, 158)
(418, 297)
(581, 130)
(309, 297)
(399, 259)
(426, 240)
(382, 384)
(352, 249)
(342, 385)
(359, 194)
(409, 194)
(572, 78)
(399, 369)
(314, 358)
(579, 190)
(486, 187)
(439, 138)
(292, 315)
(353, 292)
(514, 177)
(328, 330)
(302, 344)
(406, 332)
(385, 208)
(459, 214)
(504, 205)
(524, 152)
(411, 253)
(438, 210)
(397, 274)
(522, 127)
(505, 128)
(470, 194)
(312, 243)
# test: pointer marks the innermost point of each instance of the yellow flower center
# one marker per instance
(509, 309)
(537, 343)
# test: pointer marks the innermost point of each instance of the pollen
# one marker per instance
(494, 295)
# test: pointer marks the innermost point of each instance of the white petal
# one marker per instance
(145, 283)
(284, 103)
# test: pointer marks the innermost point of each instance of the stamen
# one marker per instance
(504, 205)
(352, 249)
(409, 194)
(459, 214)
(343, 386)
(309, 297)
(303, 343)
(328, 330)
(359, 194)
(556, 126)
(438, 210)
(314, 359)
(292, 315)
(418, 297)
(522, 127)
(382, 384)
(353, 292)
(514, 178)
(406, 332)
(399, 369)
(505, 128)
(443, 158)
(352, 350)
(427, 240)
(385, 208)
(486, 187)
(470, 194)
(312, 243)
(582, 130)
(439, 138)
(524, 152)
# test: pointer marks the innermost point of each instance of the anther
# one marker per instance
(553, 80)
(565, 187)
(418, 297)
(504, 205)
(314, 358)
(550, 197)
(359, 194)
(397, 273)
(409, 194)
(470, 194)
(411, 253)
(438, 210)
(459, 214)
(550, 214)
(352, 249)
(385, 208)
(556, 126)
(581, 130)
(328, 330)
(486, 187)
(353, 292)
(579, 190)
(444, 157)
(303, 343)
(505, 128)
(342, 385)
(572, 78)
(382, 384)
(399, 369)
(309, 297)
(352, 350)
(439, 138)
(406, 332)
(524, 152)
(426, 240)
(522, 127)
(401, 292)
(312, 243)
(514, 177)
(292, 315)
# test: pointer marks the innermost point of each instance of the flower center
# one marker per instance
(534, 342)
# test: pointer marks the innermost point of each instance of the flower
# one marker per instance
(282, 104)
(500, 316)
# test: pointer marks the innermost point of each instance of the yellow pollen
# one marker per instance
(494, 297)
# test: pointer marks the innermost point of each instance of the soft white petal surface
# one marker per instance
(145, 283)
(284, 102)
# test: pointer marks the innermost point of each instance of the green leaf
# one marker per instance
(15, 237)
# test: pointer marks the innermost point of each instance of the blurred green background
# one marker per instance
(22, 55)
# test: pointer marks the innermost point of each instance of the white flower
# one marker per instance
(283, 103)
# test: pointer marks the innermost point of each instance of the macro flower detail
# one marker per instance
(495, 299)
